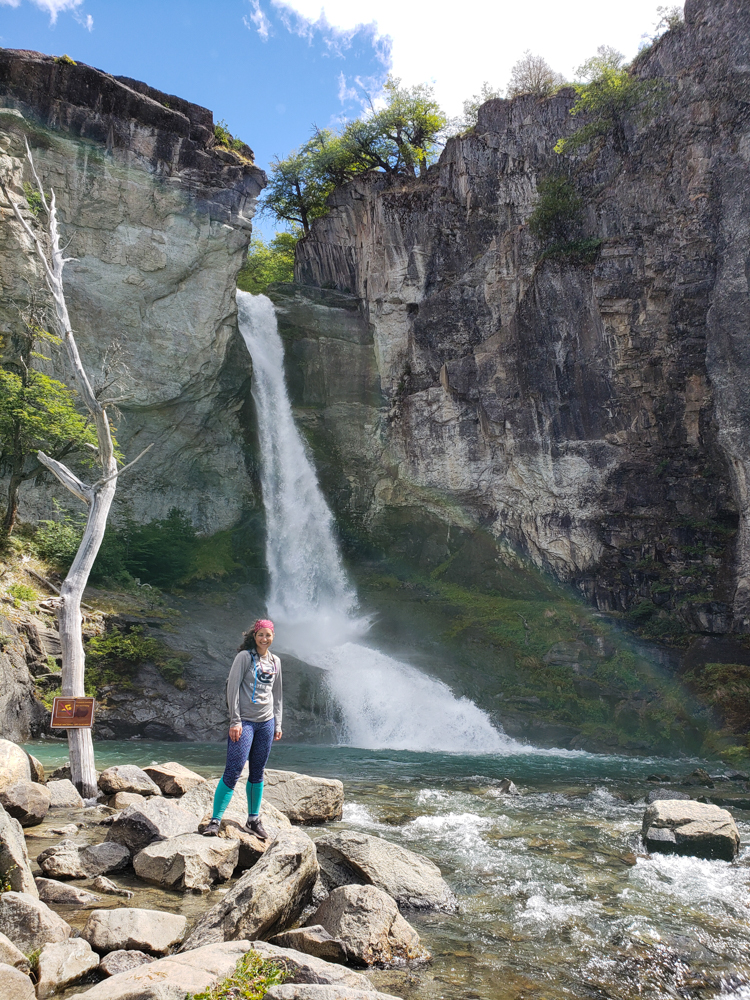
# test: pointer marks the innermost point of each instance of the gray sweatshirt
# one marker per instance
(254, 689)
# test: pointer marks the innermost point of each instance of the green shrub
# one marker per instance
(117, 656)
(268, 262)
(22, 593)
(558, 210)
(251, 980)
(225, 138)
(57, 540)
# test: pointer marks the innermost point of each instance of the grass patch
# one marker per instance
(251, 980)
(20, 592)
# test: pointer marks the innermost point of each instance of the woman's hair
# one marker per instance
(248, 642)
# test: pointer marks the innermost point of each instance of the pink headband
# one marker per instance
(262, 623)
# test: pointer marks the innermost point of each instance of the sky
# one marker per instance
(271, 69)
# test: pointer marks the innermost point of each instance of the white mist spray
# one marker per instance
(385, 703)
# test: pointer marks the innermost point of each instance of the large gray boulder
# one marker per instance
(99, 859)
(29, 923)
(64, 794)
(14, 764)
(11, 955)
(14, 857)
(172, 778)
(158, 819)
(70, 860)
(121, 800)
(303, 968)
(673, 826)
(26, 801)
(368, 922)
(64, 894)
(127, 778)
(141, 930)
(266, 899)
(318, 991)
(63, 963)
(119, 961)
(14, 984)
(314, 940)
(188, 862)
(415, 882)
(173, 977)
(304, 799)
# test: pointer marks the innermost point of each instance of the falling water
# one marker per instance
(384, 702)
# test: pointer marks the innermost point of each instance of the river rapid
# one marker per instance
(557, 897)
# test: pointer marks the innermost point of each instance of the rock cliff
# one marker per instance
(158, 218)
(594, 415)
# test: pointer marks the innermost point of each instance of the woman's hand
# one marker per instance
(234, 733)
(277, 735)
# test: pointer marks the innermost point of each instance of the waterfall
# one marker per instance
(384, 702)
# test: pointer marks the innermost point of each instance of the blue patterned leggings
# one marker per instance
(254, 745)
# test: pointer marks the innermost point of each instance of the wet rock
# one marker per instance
(506, 787)
(303, 968)
(187, 862)
(123, 961)
(14, 984)
(349, 857)
(313, 940)
(14, 857)
(99, 859)
(141, 930)
(318, 991)
(658, 777)
(63, 963)
(64, 794)
(127, 778)
(26, 801)
(699, 777)
(122, 800)
(63, 894)
(304, 799)
(62, 861)
(172, 977)
(138, 826)
(690, 828)
(172, 778)
(266, 899)
(29, 923)
(37, 769)
(102, 884)
(14, 764)
(10, 955)
(69, 830)
(369, 923)
(664, 794)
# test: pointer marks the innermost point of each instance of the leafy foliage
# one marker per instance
(57, 540)
(670, 17)
(268, 262)
(251, 980)
(21, 592)
(557, 212)
(726, 686)
(225, 138)
(472, 105)
(610, 99)
(533, 75)
(117, 656)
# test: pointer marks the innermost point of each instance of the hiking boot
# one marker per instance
(255, 827)
(212, 830)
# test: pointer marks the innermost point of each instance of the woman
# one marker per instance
(254, 702)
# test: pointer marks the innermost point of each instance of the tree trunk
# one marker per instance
(12, 510)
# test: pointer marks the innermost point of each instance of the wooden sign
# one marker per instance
(72, 713)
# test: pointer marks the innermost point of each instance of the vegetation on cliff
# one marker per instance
(268, 263)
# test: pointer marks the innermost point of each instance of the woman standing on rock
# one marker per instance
(254, 702)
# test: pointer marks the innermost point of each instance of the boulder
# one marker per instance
(98, 859)
(695, 828)
(63, 963)
(173, 977)
(187, 862)
(37, 769)
(122, 800)
(303, 968)
(102, 884)
(62, 861)
(14, 764)
(200, 800)
(662, 794)
(266, 899)
(64, 894)
(172, 778)
(123, 961)
(251, 848)
(69, 830)
(349, 857)
(14, 984)
(127, 778)
(314, 940)
(318, 991)
(63, 771)
(14, 857)
(10, 955)
(506, 787)
(304, 799)
(143, 930)
(29, 923)
(368, 922)
(157, 819)
(64, 794)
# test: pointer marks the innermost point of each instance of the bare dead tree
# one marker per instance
(97, 497)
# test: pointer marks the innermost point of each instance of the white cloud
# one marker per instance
(259, 21)
(86, 20)
(458, 48)
(55, 7)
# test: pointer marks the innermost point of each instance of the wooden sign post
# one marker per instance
(72, 713)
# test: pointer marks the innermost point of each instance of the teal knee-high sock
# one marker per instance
(221, 799)
(254, 797)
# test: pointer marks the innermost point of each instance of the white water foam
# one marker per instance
(384, 702)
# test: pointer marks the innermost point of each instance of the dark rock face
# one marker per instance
(596, 416)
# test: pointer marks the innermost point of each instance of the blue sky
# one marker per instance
(272, 68)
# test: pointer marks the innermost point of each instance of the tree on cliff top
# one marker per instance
(533, 75)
